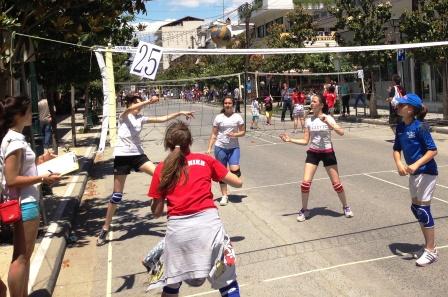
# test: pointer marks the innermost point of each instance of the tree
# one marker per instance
(366, 23)
(302, 30)
(429, 23)
(83, 22)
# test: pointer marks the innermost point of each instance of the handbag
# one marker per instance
(10, 211)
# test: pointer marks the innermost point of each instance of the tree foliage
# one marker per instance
(366, 22)
(429, 23)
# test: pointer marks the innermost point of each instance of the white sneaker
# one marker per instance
(427, 258)
(224, 200)
(348, 212)
(303, 215)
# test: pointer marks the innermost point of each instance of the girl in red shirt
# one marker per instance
(298, 101)
(184, 179)
(330, 97)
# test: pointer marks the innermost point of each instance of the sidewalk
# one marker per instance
(60, 210)
(435, 120)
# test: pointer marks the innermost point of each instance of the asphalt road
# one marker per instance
(327, 255)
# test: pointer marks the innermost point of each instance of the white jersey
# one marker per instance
(128, 139)
(255, 108)
(226, 125)
(12, 142)
(320, 134)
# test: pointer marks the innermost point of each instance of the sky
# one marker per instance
(160, 12)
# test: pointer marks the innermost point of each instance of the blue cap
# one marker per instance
(411, 99)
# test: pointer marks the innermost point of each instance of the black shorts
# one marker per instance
(328, 159)
(124, 164)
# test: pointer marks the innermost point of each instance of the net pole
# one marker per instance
(256, 84)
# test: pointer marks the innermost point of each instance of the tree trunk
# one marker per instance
(54, 125)
(86, 108)
(445, 90)
(372, 102)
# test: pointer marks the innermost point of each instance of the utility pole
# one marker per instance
(245, 12)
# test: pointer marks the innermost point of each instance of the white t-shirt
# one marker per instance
(255, 108)
(320, 134)
(128, 139)
(226, 125)
(12, 142)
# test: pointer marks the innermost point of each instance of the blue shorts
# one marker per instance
(227, 156)
(30, 211)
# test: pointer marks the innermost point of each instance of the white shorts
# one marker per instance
(422, 186)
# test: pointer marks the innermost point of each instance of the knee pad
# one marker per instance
(338, 187)
(423, 214)
(231, 290)
(305, 186)
(236, 172)
(116, 197)
(172, 288)
(195, 282)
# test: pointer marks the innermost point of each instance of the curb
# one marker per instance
(47, 275)
(437, 129)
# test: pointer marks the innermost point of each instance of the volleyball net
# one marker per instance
(204, 95)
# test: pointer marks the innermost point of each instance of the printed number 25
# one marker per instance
(150, 59)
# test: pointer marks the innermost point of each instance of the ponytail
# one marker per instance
(175, 167)
(421, 113)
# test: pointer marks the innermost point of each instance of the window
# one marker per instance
(261, 32)
(268, 26)
(279, 21)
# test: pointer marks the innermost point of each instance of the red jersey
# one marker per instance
(330, 98)
(196, 194)
(298, 98)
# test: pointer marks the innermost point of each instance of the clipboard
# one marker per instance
(63, 164)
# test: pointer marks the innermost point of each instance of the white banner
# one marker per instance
(146, 60)
(302, 50)
(105, 124)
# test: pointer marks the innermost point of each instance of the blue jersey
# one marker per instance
(415, 140)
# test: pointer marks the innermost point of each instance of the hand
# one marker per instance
(47, 156)
(231, 134)
(411, 169)
(208, 152)
(187, 114)
(285, 137)
(402, 170)
(154, 99)
(51, 178)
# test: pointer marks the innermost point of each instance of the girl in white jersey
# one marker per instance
(318, 133)
(227, 127)
(128, 152)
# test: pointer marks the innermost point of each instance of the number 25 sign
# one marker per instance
(146, 60)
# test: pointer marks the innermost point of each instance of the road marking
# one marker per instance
(39, 256)
(109, 263)
(397, 185)
(326, 178)
(317, 270)
(315, 179)
(338, 266)
(259, 138)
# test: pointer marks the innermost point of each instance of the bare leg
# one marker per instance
(429, 235)
(119, 181)
(333, 174)
(25, 234)
(308, 175)
(296, 123)
(148, 168)
(302, 124)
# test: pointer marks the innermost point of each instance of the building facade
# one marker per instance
(182, 33)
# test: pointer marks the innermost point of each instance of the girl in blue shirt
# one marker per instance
(414, 140)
